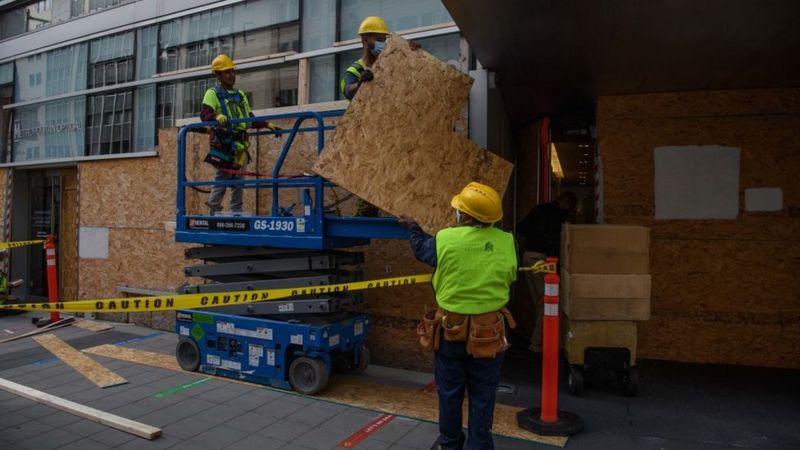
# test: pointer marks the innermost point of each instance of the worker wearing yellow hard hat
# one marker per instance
(475, 264)
(228, 142)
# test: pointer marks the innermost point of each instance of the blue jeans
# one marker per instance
(456, 372)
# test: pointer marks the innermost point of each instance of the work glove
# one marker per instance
(274, 128)
(222, 120)
(366, 75)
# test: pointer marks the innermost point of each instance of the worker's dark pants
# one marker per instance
(455, 372)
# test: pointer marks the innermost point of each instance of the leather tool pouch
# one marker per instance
(487, 334)
(456, 326)
(428, 329)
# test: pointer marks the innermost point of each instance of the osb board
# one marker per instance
(68, 235)
(144, 258)
(395, 145)
(733, 282)
(721, 339)
(92, 325)
(701, 103)
(132, 193)
(87, 367)
(394, 343)
(352, 391)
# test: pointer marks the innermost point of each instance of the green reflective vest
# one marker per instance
(474, 269)
(356, 69)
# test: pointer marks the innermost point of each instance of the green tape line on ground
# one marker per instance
(181, 388)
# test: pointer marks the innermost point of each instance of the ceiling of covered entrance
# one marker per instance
(556, 57)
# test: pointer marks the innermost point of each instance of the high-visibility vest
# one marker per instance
(475, 267)
(357, 68)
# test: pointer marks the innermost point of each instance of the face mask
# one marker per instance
(459, 216)
(378, 48)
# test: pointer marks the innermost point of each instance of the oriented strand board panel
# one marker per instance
(87, 367)
(395, 146)
(68, 237)
(726, 291)
(352, 391)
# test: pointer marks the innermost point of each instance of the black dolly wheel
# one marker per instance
(308, 375)
(575, 380)
(188, 354)
(630, 382)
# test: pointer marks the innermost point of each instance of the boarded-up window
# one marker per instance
(697, 182)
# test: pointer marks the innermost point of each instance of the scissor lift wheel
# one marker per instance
(308, 375)
(188, 354)
(363, 361)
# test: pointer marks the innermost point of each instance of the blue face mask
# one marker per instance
(378, 48)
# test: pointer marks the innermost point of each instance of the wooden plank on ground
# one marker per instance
(65, 322)
(86, 366)
(395, 145)
(95, 415)
(351, 390)
(93, 325)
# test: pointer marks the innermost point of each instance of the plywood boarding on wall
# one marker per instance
(395, 146)
(724, 291)
(68, 235)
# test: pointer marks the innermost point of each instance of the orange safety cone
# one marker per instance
(52, 275)
(548, 420)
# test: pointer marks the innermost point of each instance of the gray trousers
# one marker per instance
(535, 282)
(218, 192)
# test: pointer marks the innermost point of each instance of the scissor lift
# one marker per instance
(275, 250)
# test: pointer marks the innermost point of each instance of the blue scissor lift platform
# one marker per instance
(293, 343)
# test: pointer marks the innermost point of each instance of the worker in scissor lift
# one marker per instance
(228, 142)
(373, 33)
(475, 264)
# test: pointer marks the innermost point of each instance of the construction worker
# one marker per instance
(541, 229)
(373, 32)
(229, 142)
(475, 264)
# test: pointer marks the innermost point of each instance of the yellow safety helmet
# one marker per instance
(479, 201)
(221, 62)
(373, 24)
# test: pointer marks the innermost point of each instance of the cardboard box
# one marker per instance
(583, 334)
(605, 296)
(622, 249)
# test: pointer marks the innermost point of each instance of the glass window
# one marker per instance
(6, 73)
(145, 125)
(81, 7)
(49, 130)
(444, 47)
(111, 60)
(323, 84)
(399, 16)
(109, 119)
(319, 24)
(147, 52)
(64, 71)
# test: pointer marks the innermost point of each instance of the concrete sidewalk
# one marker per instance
(680, 406)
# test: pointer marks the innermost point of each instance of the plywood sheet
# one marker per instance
(395, 146)
(87, 367)
(93, 325)
(353, 391)
(68, 235)
(724, 291)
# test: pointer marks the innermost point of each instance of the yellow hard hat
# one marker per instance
(479, 201)
(373, 24)
(221, 62)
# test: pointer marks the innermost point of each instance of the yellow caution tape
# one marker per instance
(194, 301)
(540, 266)
(18, 244)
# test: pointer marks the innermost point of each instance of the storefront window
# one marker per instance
(109, 120)
(399, 16)
(49, 130)
(319, 24)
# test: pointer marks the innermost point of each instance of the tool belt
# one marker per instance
(222, 153)
(485, 334)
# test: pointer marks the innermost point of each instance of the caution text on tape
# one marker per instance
(194, 301)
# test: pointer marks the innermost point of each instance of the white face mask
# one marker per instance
(459, 216)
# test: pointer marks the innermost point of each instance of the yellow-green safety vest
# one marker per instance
(474, 269)
(357, 68)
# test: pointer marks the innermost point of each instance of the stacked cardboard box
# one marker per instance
(605, 286)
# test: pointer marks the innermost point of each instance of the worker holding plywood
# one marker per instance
(475, 265)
